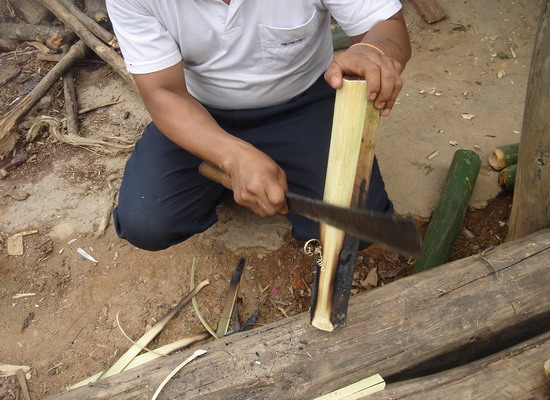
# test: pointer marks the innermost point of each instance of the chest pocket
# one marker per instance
(282, 47)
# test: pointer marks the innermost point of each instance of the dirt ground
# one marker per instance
(59, 310)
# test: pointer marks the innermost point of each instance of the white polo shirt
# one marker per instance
(248, 54)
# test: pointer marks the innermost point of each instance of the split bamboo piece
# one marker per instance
(354, 128)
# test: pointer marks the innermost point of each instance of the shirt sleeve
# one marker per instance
(358, 16)
(145, 43)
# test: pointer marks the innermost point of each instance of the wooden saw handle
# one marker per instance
(215, 174)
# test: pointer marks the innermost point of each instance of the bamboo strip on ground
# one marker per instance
(457, 312)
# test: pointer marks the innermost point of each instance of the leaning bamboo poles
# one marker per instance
(347, 180)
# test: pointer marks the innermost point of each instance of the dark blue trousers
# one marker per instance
(163, 200)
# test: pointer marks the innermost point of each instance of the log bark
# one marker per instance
(97, 10)
(514, 373)
(91, 24)
(448, 215)
(71, 103)
(426, 323)
(108, 55)
(531, 203)
(31, 10)
(52, 37)
(429, 10)
(9, 123)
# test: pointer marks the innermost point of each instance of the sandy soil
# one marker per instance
(64, 326)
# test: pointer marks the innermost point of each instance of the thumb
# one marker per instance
(333, 75)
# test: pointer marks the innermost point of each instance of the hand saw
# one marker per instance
(399, 234)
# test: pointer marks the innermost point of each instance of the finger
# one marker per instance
(276, 196)
(333, 75)
(372, 76)
(387, 82)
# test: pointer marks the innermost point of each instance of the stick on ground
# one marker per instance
(9, 124)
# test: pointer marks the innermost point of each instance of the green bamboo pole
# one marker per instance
(507, 177)
(504, 156)
(449, 213)
(340, 40)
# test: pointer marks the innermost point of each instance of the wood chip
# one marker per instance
(371, 280)
(433, 155)
(467, 116)
(17, 194)
(15, 243)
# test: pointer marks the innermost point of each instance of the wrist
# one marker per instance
(370, 45)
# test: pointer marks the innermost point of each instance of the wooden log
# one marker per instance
(531, 203)
(52, 37)
(507, 177)
(91, 24)
(108, 55)
(448, 215)
(504, 156)
(429, 322)
(429, 10)
(513, 373)
(71, 103)
(31, 10)
(354, 128)
(10, 122)
(7, 44)
(97, 10)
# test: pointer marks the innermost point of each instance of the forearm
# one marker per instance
(391, 37)
(187, 123)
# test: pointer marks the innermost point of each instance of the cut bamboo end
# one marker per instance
(504, 156)
(354, 123)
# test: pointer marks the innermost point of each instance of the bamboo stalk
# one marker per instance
(355, 124)
(504, 156)
(507, 177)
(451, 208)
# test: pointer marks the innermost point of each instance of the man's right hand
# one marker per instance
(258, 182)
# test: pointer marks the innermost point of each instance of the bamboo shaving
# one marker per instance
(123, 362)
(195, 303)
(130, 339)
(357, 390)
(54, 126)
(196, 354)
(162, 351)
